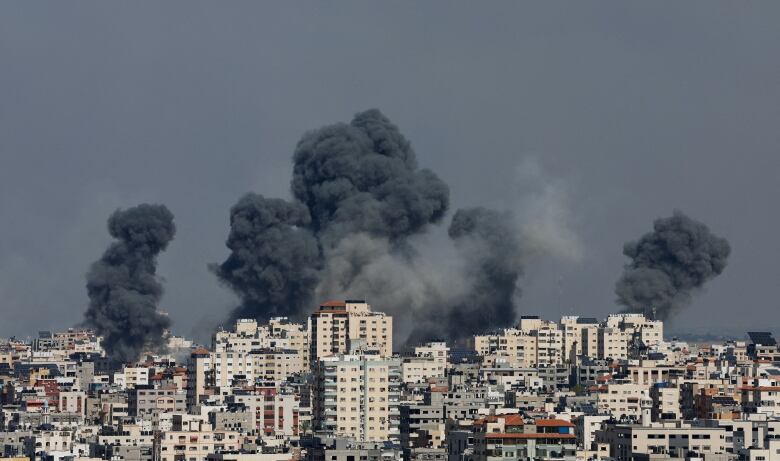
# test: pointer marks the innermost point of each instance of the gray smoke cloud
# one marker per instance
(123, 287)
(356, 228)
(668, 264)
(274, 258)
(348, 179)
(490, 246)
(450, 288)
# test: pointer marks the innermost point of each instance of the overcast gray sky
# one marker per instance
(629, 109)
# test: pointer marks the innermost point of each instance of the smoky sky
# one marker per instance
(637, 109)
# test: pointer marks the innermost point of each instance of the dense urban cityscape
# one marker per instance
(333, 389)
(389, 231)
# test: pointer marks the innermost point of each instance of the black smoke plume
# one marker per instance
(669, 264)
(122, 286)
(363, 177)
(274, 257)
(348, 179)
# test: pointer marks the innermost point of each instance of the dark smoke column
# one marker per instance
(274, 258)
(122, 286)
(363, 177)
(668, 264)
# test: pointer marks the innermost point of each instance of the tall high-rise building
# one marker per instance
(338, 327)
(357, 396)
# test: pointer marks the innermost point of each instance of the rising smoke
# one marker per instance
(363, 177)
(274, 257)
(490, 247)
(122, 286)
(669, 264)
(348, 179)
(360, 207)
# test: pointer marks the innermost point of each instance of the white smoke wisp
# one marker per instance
(544, 215)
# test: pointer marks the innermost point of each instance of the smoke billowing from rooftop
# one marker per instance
(123, 287)
(360, 207)
(669, 264)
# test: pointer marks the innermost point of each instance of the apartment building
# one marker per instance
(276, 364)
(357, 396)
(650, 331)
(254, 351)
(510, 437)
(514, 347)
(580, 336)
(290, 336)
(275, 413)
(192, 439)
(666, 402)
(148, 400)
(549, 345)
(674, 439)
(622, 400)
(337, 327)
(612, 343)
(199, 372)
(438, 351)
(416, 370)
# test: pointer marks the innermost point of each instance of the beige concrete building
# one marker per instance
(338, 326)
(522, 348)
(415, 370)
(240, 351)
(675, 439)
(580, 337)
(275, 414)
(276, 364)
(357, 396)
(666, 402)
(650, 331)
(512, 347)
(613, 343)
(72, 402)
(292, 336)
(191, 439)
(622, 399)
(437, 350)
(131, 377)
(649, 372)
(549, 345)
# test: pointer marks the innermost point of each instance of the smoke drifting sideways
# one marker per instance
(348, 179)
(123, 287)
(669, 264)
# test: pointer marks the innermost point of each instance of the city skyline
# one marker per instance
(615, 125)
